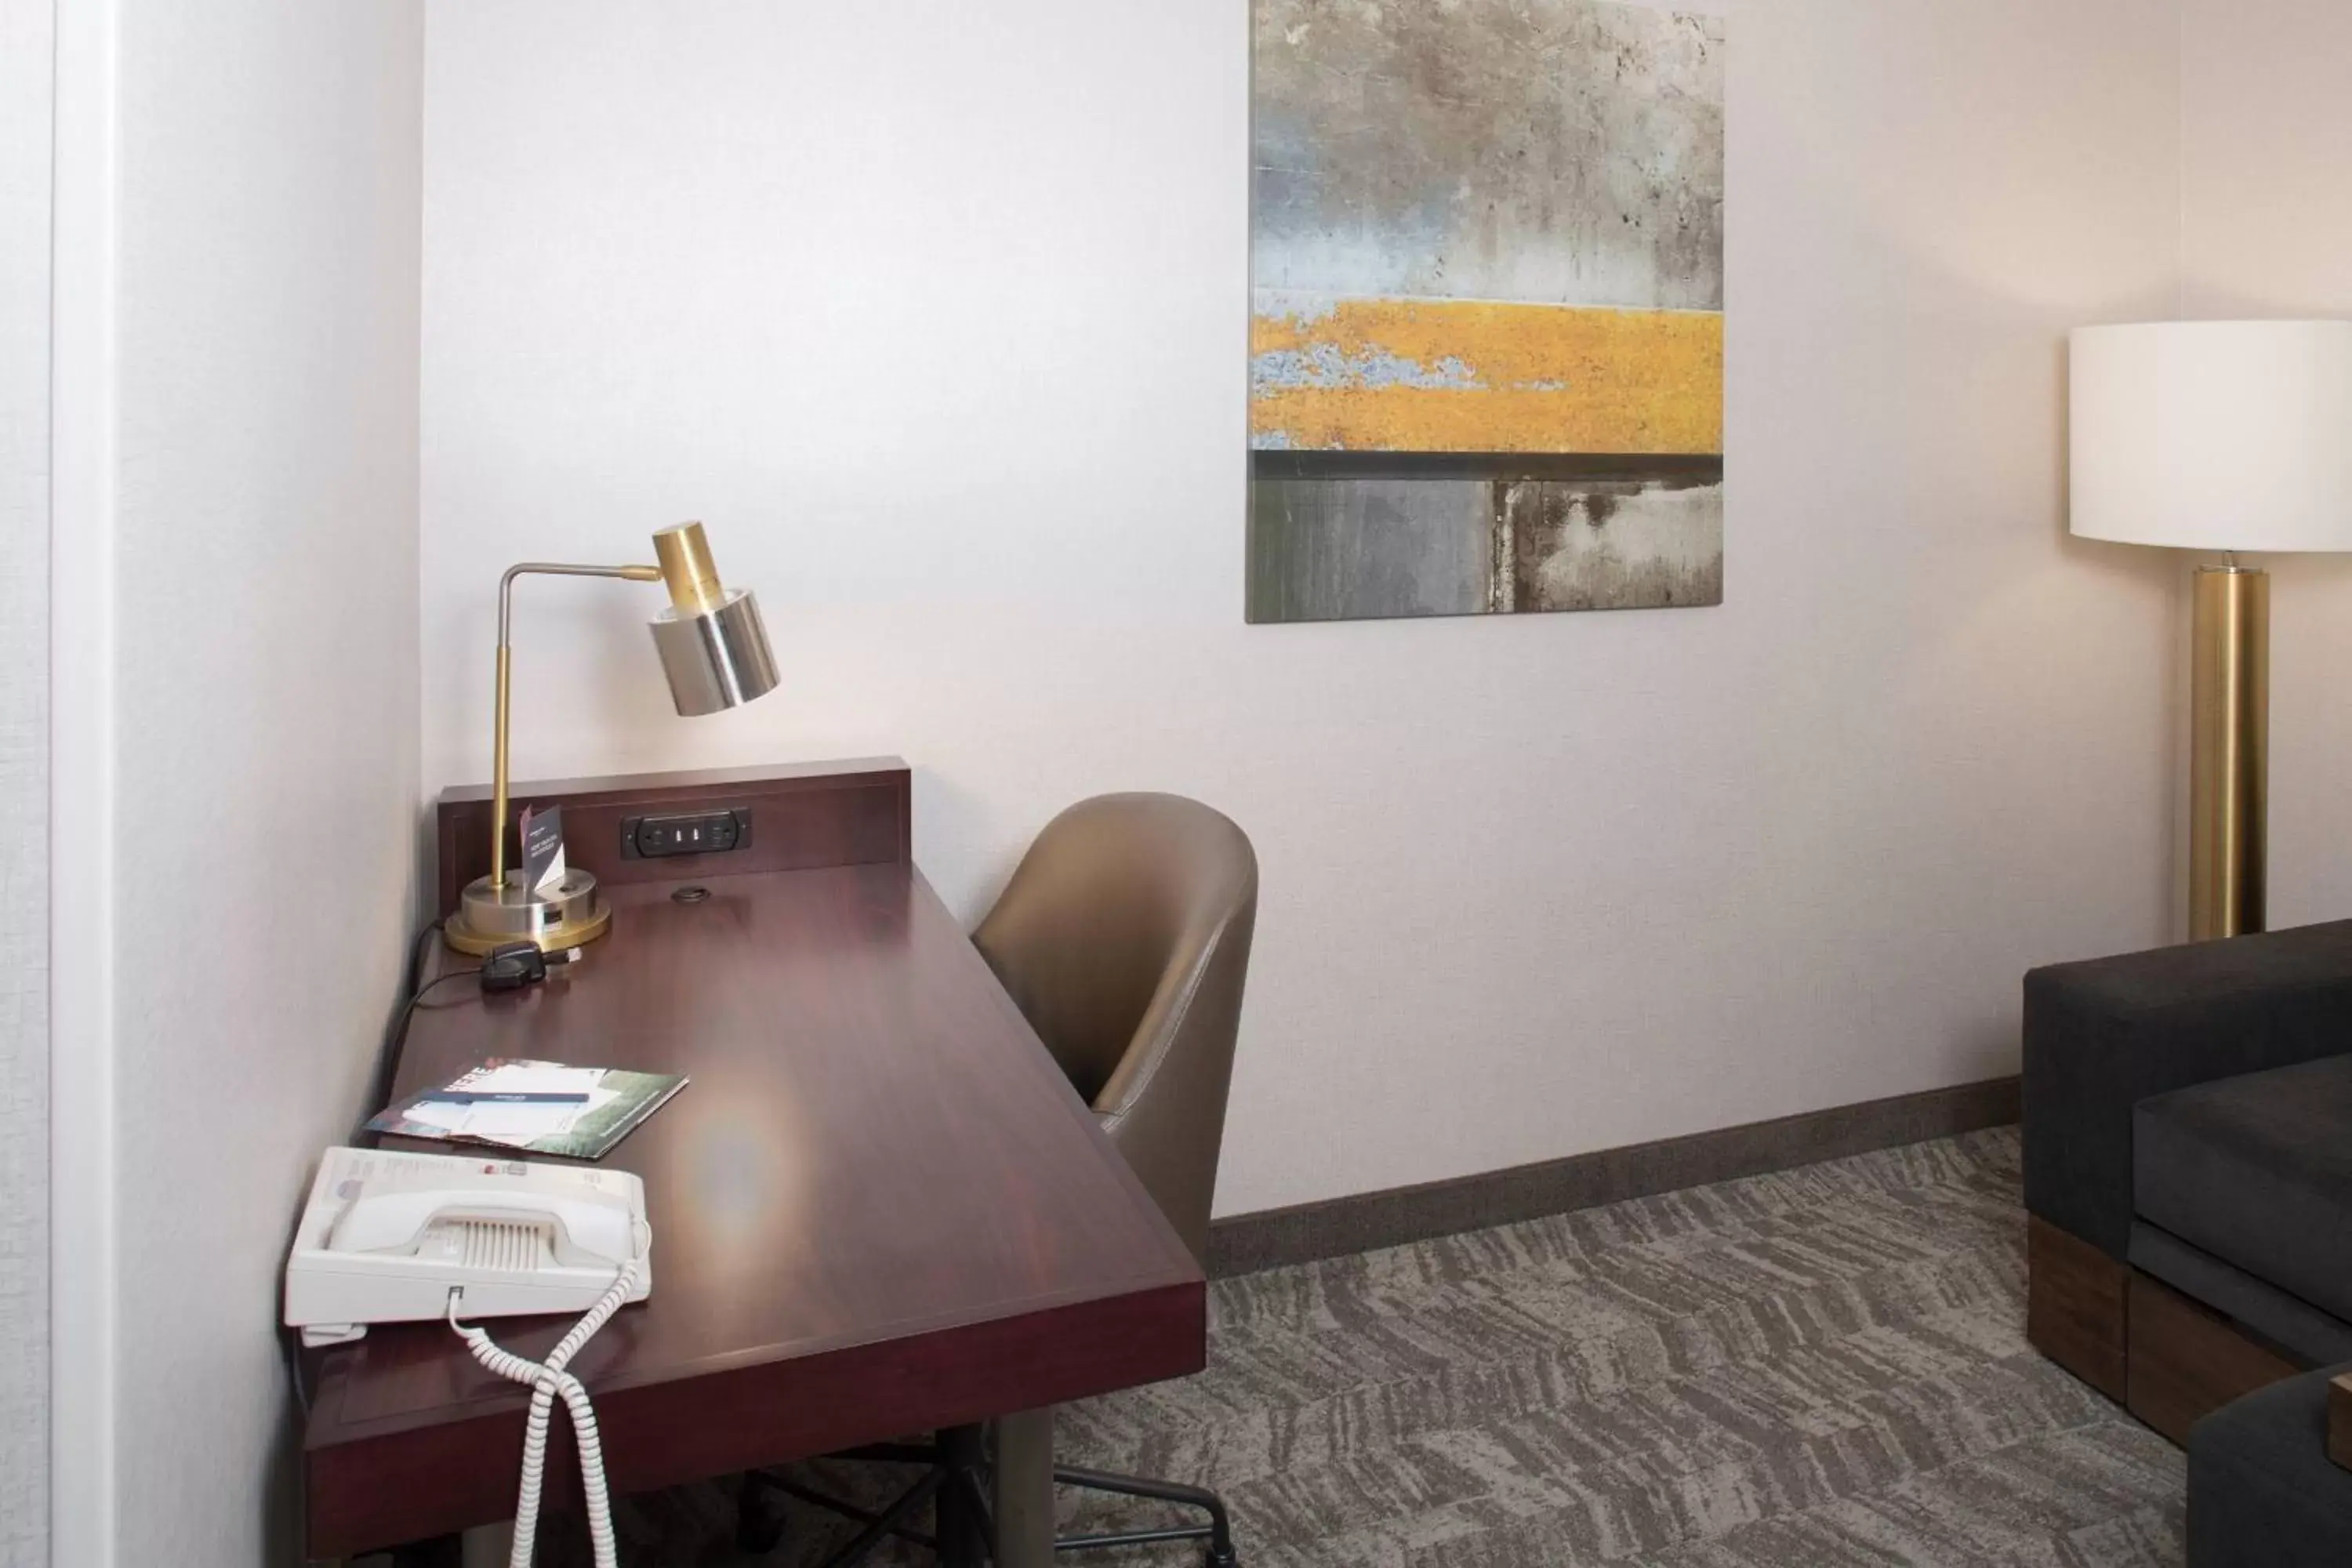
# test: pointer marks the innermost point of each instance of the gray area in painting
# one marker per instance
(1342, 550)
(1611, 545)
(1329, 549)
(1546, 151)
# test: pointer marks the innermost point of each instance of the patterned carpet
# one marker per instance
(1822, 1367)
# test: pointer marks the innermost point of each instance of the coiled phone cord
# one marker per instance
(546, 1380)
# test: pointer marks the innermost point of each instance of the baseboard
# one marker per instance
(1243, 1244)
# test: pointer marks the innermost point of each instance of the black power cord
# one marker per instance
(387, 1055)
(510, 967)
(408, 1009)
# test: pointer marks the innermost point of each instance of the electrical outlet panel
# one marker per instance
(685, 833)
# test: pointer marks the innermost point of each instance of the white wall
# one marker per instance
(2266, 231)
(936, 315)
(238, 555)
(26, 40)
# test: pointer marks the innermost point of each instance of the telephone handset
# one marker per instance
(397, 1237)
(386, 1235)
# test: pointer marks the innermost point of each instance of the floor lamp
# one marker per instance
(2220, 436)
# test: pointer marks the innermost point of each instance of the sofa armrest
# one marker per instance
(2101, 1035)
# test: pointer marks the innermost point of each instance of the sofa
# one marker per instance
(2187, 1147)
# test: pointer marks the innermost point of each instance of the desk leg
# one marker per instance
(488, 1545)
(962, 1533)
(1025, 1490)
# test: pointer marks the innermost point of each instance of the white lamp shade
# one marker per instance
(2212, 435)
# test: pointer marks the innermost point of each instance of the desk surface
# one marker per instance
(876, 1208)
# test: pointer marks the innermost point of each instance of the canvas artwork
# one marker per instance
(1487, 296)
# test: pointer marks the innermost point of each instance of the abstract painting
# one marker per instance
(1487, 308)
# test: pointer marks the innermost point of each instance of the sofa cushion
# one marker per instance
(2289, 1322)
(2257, 1171)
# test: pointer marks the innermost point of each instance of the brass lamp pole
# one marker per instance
(2228, 750)
(714, 648)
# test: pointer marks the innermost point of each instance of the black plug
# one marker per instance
(512, 966)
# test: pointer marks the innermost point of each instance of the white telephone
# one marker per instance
(386, 1235)
(392, 1238)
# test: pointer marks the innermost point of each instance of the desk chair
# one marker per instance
(1124, 938)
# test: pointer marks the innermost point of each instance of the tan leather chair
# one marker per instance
(1124, 938)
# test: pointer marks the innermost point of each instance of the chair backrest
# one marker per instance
(1124, 938)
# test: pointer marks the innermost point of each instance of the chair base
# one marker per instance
(954, 1471)
(1218, 1532)
(958, 1481)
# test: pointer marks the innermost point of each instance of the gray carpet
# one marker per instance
(1822, 1367)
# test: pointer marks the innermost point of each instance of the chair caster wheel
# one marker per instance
(1227, 1558)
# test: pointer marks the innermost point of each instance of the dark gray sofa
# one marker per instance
(2188, 1163)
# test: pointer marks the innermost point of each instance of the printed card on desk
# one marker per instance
(540, 1108)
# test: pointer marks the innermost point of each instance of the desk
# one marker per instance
(877, 1208)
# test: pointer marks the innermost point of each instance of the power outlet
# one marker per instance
(686, 832)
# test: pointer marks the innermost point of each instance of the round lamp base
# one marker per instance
(572, 916)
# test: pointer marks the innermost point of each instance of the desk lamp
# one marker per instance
(2218, 436)
(713, 648)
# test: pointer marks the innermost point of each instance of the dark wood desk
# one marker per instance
(878, 1208)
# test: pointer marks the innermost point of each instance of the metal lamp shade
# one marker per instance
(716, 658)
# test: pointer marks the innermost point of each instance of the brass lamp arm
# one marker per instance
(560, 569)
(498, 721)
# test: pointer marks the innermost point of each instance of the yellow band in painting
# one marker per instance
(1455, 376)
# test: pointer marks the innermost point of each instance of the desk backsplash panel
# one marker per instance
(842, 813)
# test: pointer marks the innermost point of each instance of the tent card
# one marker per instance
(542, 849)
